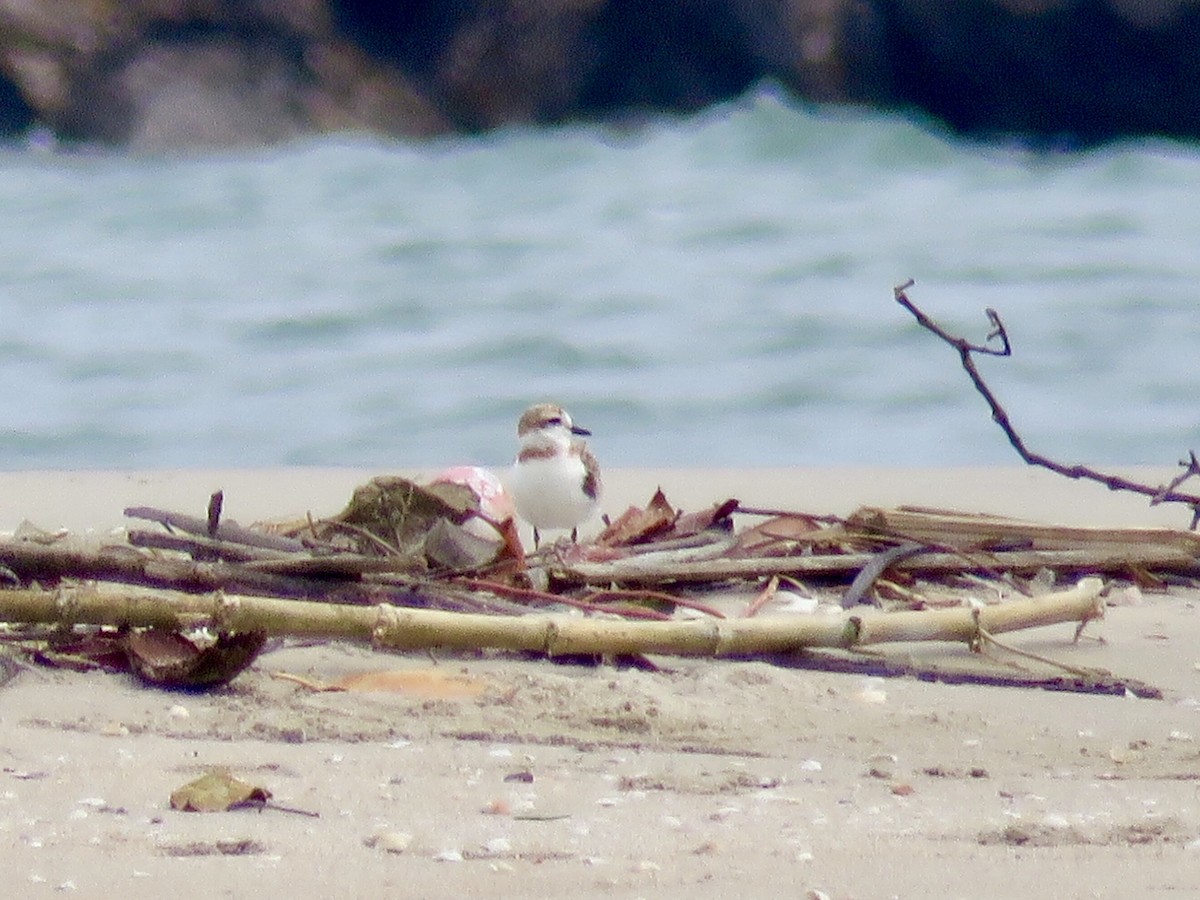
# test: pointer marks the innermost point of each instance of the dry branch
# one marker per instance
(402, 628)
(39, 562)
(1088, 559)
(1091, 682)
(966, 351)
(228, 531)
(967, 531)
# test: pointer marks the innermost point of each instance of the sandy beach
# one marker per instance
(705, 779)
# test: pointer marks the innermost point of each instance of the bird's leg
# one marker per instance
(537, 538)
(574, 535)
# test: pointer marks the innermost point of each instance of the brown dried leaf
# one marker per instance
(635, 526)
(218, 791)
(398, 512)
(83, 653)
(778, 533)
(513, 548)
(171, 660)
(429, 684)
(716, 516)
(416, 525)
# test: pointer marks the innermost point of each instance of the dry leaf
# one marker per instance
(399, 512)
(716, 516)
(83, 653)
(430, 684)
(455, 522)
(218, 791)
(639, 525)
(169, 659)
(780, 532)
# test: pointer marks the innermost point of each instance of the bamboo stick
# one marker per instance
(959, 624)
(404, 628)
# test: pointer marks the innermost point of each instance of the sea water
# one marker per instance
(708, 291)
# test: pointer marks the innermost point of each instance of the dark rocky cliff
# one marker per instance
(153, 74)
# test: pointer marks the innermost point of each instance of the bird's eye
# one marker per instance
(554, 421)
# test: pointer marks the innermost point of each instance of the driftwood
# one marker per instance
(857, 550)
(967, 530)
(388, 585)
(397, 628)
(227, 531)
(349, 578)
(33, 561)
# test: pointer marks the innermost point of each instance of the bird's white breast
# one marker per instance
(548, 491)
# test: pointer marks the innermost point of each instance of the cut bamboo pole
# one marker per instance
(404, 628)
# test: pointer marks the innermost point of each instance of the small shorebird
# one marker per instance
(555, 481)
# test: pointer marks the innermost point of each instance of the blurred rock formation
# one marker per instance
(160, 74)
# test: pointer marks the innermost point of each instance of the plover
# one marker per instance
(555, 481)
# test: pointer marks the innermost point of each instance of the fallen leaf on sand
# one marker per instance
(427, 684)
(218, 791)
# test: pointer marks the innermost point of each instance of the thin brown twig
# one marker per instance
(966, 351)
(366, 534)
(1191, 466)
(765, 596)
(532, 595)
(599, 598)
(225, 531)
(986, 638)
(767, 512)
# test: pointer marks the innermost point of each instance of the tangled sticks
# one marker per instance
(997, 344)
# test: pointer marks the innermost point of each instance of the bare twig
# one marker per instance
(225, 531)
(532, 596)
(764, 597)
(1191, 466)
(889, 666)
(35, 562)
(846, 565)
(201, 548)
(215, 502)
(617, 595)
(966, 350)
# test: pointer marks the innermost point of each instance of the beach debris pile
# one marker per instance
(406, 565)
